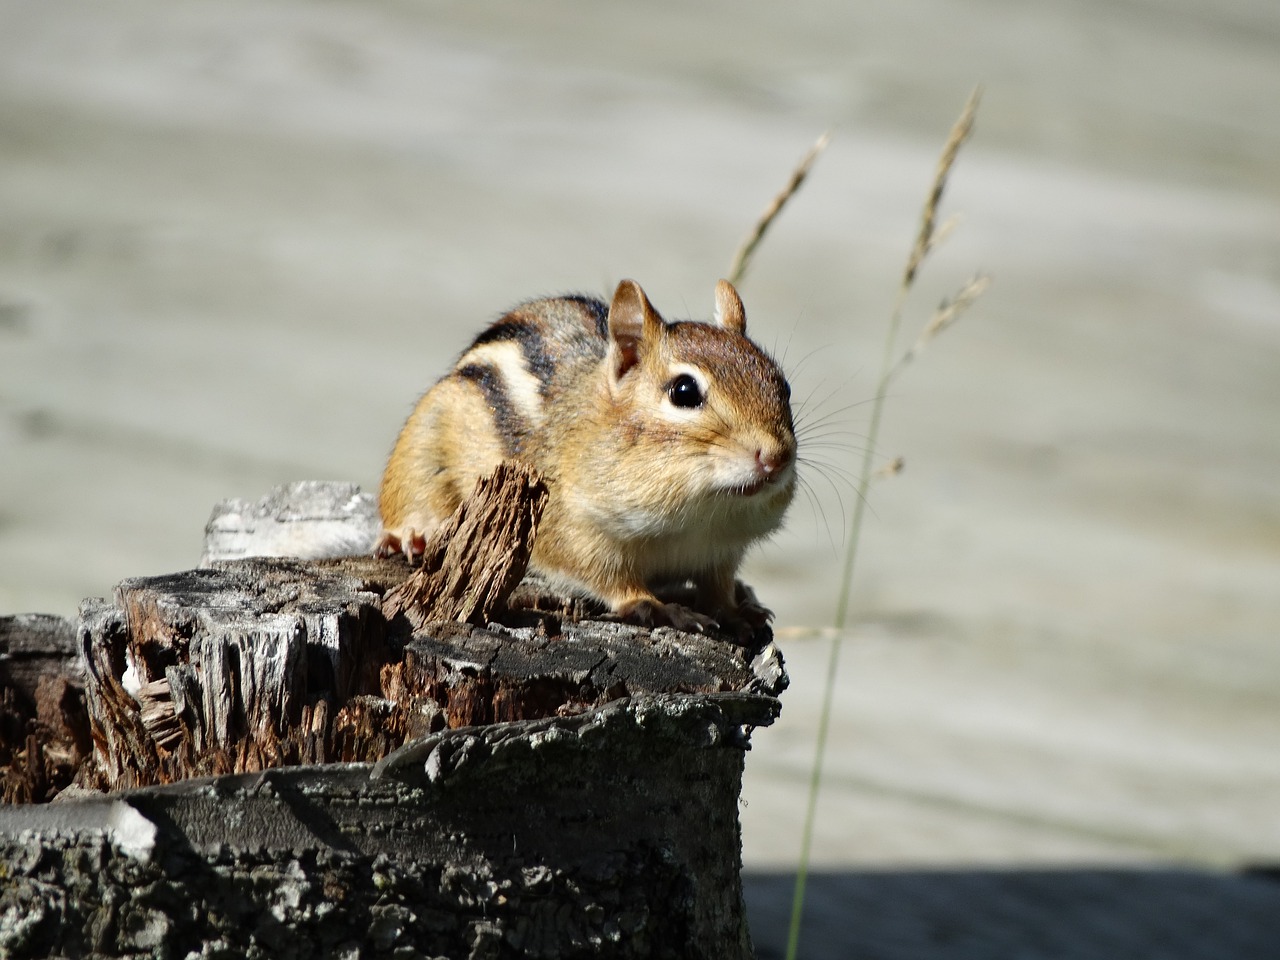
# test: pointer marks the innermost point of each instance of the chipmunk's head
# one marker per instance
(713, 407)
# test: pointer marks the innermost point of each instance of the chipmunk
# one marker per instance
(668, 449)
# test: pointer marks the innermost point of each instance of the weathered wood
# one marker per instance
(36, 645)
(44, 729)
(476, 559)
(559, 668)
(247, 665)
(263, 663)
(309, 519)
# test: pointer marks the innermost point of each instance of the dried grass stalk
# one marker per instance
(952, 307)
(959, 134)
(947, 313)
(742, 259)
(892, 468)
(929, 236)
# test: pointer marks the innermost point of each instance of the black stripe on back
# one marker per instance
(598, 309)
(529, 336)
(508, 423)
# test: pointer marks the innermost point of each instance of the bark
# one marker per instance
(278, 763)
(613, 833)
(44, 730)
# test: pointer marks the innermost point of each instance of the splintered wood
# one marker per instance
(44, 732)
(249, 665)
(473, 563)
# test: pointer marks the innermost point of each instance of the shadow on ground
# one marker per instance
(1064, 914)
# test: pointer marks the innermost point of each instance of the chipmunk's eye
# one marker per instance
(786, 390)
(684, 391)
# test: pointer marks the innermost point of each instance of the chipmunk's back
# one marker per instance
(490, 407)
(529, 358)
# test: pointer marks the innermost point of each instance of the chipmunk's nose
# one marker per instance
(771, 462)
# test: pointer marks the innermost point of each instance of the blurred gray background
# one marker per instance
(237, 240)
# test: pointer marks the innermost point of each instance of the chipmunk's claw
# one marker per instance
(388, 545)
(654, 613)
(412, 546)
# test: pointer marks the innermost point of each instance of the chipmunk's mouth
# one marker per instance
(756, 482)
(750, 489)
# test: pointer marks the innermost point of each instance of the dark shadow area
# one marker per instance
(1064, 914)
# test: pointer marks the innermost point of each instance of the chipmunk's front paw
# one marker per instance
(749, 616)
(649, 612)
(411, 544)
(754, 614)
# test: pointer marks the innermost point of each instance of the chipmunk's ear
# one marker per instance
(729, 311)
(633, 327)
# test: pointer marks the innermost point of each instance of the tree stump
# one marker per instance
(276, 762)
